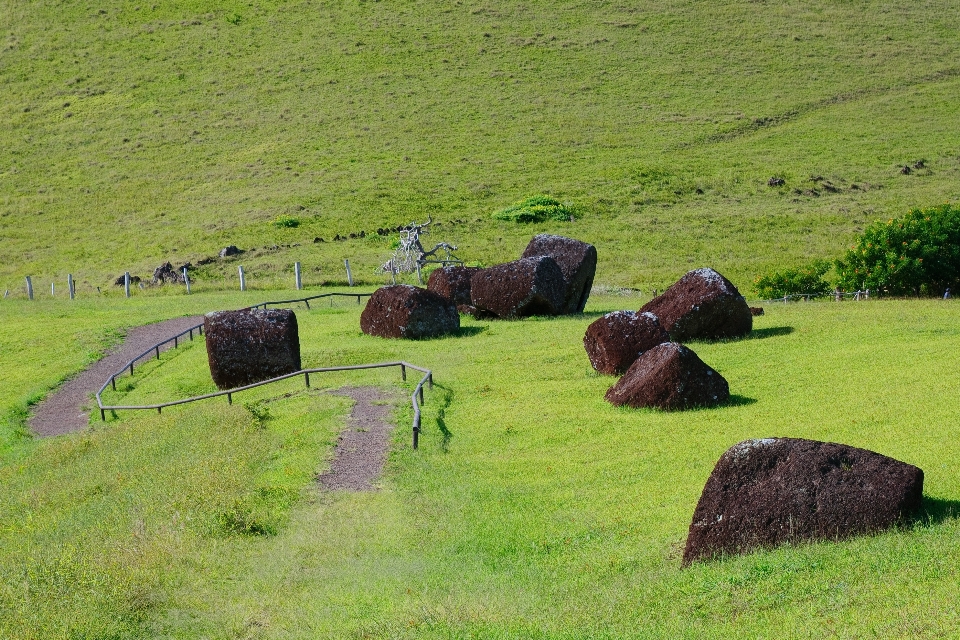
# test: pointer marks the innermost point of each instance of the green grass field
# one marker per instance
(532, 509)
(137, 133)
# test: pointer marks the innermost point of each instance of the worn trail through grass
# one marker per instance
(66, 410)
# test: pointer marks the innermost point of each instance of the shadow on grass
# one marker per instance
(737, 400)
(769, 332)
(937, 510)
(466, 332)
(445, 401)
(756, 334)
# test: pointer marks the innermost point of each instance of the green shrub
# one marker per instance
(791, 282)
(286, 222)
(536, 209)
(917, 253)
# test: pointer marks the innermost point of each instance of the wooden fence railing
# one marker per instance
(416, 398)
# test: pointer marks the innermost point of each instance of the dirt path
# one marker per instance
(63, 411)
(362, 447)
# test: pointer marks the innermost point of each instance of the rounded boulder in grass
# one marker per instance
(405, 311)
(670, 377)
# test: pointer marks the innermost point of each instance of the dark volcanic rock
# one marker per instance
(776, 490)
(405, 311)
(616, 340)
(133, 280)
(251, 345)
(528, 287)
(577, 261)
(166, 273)
(453, 283)
(672, 377)
(702, 305)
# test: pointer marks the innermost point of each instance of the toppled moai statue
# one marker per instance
(779, 490)
(453, 283)
(528, 287)
(671, 377)
(614, 341)
(576, 259)
(405, 311)
(702, 305)
(251, 345)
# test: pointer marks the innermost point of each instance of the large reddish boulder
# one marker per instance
(777, 490)
(528, 287)
(251, 345)
(702, 305)
(405, 311)
(614, 341)
(577, 261)
(672, 377)
(453, 283)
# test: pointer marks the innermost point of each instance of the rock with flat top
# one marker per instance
(576, 259)
(251, 345)
(528, 287)
(453, 283)
(772, 491)
(405, 311)
(671, 377)
(613, 342)
(702, 305)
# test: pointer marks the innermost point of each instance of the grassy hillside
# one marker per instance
(135, 133)
(532, 509)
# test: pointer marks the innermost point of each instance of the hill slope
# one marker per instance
(137, 133)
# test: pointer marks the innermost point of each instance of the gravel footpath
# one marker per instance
(67, 409)
(362, 446)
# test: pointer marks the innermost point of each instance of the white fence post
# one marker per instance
(186, 280)
(349, 275)
(53, 289)
(297, 275)
(70, 288)
(126, 283)
(29, 288)
(243, 281)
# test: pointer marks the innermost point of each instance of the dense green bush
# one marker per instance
(286, 222)
(536, 209)
(790, 282)
(918, 253)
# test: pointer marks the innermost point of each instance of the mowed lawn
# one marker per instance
(532, 509)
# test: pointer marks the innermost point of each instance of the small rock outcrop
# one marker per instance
(528, 287)
(779, 490)
(671, 377)
(232, 250)
(578, 262)
(405, 311)
(702, 305)
(453, 283)
(614, 341)
(251, 345)
(120, 281)
(165, 273)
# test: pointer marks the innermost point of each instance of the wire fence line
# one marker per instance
(416, 399)
(129, 283)
(837, 296)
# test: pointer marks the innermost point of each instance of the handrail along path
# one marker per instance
(416, 399)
